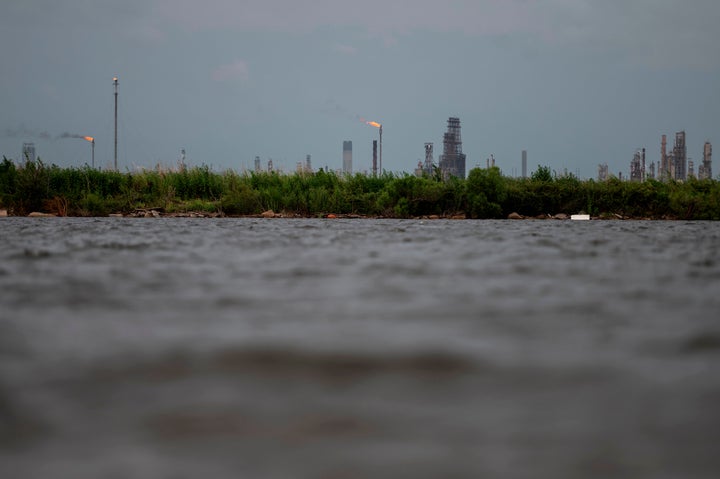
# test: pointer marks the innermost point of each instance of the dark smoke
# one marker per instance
(332, 107)
(23, 132)
(71, 135)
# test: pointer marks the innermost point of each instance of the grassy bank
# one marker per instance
(486, 193)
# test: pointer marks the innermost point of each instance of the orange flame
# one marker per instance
(88, 138)
(373, 123)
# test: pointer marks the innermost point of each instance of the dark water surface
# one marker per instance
(248, 348)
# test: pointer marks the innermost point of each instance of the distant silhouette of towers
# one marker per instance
(603, 172)
(28, 152)
(347, 157)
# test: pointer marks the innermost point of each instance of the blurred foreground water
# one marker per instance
(249, 348)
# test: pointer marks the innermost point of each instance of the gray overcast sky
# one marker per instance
(575, 82)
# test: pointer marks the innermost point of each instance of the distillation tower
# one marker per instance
(452, 161)
(637, 166)
(680, 156)
(705, 169)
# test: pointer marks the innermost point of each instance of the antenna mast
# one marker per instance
(115, 84)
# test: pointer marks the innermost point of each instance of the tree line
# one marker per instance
(485, 193)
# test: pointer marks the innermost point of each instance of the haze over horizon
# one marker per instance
(574, 82)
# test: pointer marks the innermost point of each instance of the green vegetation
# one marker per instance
(486, 193)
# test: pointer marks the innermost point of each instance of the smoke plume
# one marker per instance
(71, 135)
(23, 132)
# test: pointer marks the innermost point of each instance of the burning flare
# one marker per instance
(75, 135)
(373, 123)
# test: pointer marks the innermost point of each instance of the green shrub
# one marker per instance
(243, 201)
(486, 191)
(94, 205)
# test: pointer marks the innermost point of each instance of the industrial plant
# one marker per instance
(304, 168)
(672, 165)
(452, 160)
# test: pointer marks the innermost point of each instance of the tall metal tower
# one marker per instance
(428, 167)
(664, 170)
(115, 84)
(452, 161)
(705, 169)
(680, 156)
(524, 163)
(637, 166)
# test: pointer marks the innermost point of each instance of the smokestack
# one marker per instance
(643, 165)
(347, 157)
(664, 169)
(375, 157)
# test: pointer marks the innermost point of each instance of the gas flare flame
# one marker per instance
(373, 123)
(75, 135)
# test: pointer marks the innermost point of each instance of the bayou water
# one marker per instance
(254, 348)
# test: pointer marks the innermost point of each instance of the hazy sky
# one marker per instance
(575, 82)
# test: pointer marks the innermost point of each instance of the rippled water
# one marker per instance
(183, 348)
